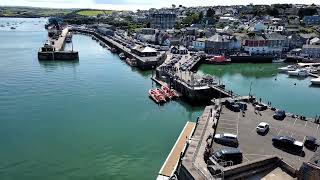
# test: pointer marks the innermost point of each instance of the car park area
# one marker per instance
(255, 145)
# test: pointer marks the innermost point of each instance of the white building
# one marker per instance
(199, 44)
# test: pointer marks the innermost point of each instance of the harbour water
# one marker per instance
(90, 119)
(294, 95)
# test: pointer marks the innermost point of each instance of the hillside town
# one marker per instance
(254, 30)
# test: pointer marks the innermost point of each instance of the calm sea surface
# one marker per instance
(93, 119)
(291, 94)
(90, 119)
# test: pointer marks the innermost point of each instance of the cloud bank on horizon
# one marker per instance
(137, 4)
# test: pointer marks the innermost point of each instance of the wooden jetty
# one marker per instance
(169, 167)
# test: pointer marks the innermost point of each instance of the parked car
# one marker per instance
(288, 143)
(310, 142)
(228, 154)
(260, 107)
(227, 139)
(263, 127)
(242, 105)
(279, 114)
(232, 105)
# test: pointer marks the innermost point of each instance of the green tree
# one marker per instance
(309, 11)
(191, 19)
(273, 12)
(200, 16)
(210, 13)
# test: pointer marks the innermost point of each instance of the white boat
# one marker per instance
(287, 68)
(278, 60)
(315, 81)
(298, 72)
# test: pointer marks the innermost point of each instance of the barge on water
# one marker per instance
(247, 58)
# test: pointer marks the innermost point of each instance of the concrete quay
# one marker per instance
(54, 49)
(196, 88)
(60, 42)
(171, 163)
(143, 63)
(193, 164)
(261, 159)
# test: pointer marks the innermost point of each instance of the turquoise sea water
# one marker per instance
(292, 94)
(90, 119)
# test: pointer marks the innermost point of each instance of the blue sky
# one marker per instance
(137, 4)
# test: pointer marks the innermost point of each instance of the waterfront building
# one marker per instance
(311, 20)
(144, 51)
(313, 51)
(255, 44)
(104, 31)
(219, 44)
(179, 50)
(146, 35)
(296, 41)
(272, 43)
(162, 20)
(277, 43)
(199, 44)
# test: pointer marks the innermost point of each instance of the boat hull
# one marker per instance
(251, 59)
(297, 73)
(315, 81)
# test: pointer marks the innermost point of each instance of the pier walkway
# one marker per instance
(224, 92)
(171, 163)
(120, 45)
(59, 43)
(193, 163)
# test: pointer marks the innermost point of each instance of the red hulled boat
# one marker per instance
(169, 93)
(156, 96)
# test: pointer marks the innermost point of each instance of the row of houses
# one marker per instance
(213, 42)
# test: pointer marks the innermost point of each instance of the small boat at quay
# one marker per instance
(159, 91)
(278, 60)
(122, 56)
(315, 81)
(299, 72)
(113, 50)
(168, 92)
(69, 37)
(158, 98)
(288, 68)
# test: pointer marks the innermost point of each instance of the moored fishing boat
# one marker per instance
(287, 68)
(168, 92)
(158, 98)
(161, 93)
(113, 50)
(122, 56)
(298, 72)
(315, 81)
